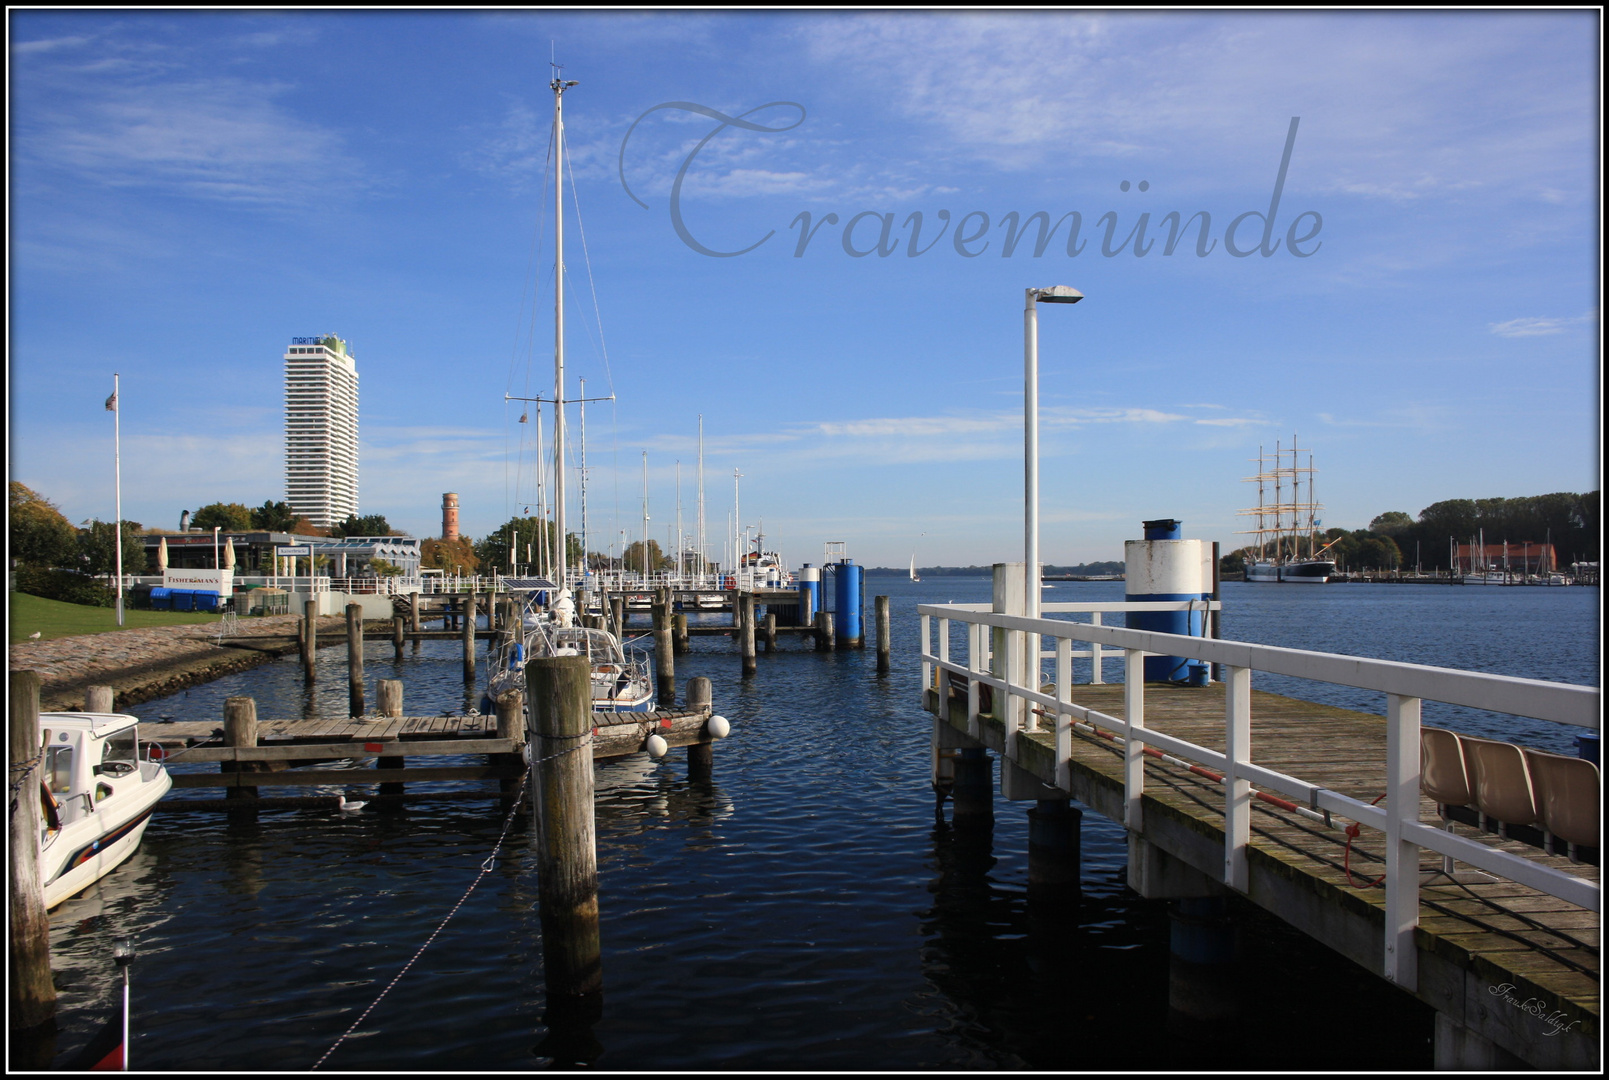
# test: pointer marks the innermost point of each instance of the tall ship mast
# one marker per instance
(1285, 545)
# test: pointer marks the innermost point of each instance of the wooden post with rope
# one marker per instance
(560, 691)
(33, 994)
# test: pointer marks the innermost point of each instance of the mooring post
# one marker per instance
(826, 641)
(240, 729)
(354, 659)
(664, 658)
(388, 697)
(746, 634)
(33, 994)
(1212, 617)
(510, 725)
(469, 638)
(413, 612)
(880, 604)
(98, 699)
(398, 635)
(679, 636)
(1054, 848)
(309, 640)
(770, 634)
(973, 793)
(1203, 991)
(700, 755)
(560, 690)
(617, 611)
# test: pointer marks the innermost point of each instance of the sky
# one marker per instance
(815, 231)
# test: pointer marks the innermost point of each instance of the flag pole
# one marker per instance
(117, 460)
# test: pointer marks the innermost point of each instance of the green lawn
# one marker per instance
(54, 619)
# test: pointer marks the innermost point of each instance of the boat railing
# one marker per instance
(997, 653)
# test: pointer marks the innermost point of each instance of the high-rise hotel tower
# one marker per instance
(321, 429)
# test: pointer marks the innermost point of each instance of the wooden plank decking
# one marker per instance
(1473, 938)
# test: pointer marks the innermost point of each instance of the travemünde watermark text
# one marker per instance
(974, 233)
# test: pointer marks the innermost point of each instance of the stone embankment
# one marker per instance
(152, 662)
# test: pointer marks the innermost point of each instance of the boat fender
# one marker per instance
(657, 746)
(718, 727)
(51, 808)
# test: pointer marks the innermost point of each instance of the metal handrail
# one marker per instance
(1406, 686)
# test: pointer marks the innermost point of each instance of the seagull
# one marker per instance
(345, 807)
(34, 636)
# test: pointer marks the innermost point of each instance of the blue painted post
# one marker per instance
(848, 611)
(1165, 566)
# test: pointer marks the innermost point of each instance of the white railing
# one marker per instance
(1405, 687)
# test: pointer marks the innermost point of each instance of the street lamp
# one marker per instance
(216, 565)
(1054, 294)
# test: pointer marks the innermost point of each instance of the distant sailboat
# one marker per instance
(914, 576)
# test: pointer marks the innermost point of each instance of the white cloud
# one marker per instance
(1539, 326)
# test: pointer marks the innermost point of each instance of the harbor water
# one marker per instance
(804, 911)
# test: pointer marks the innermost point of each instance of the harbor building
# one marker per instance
(321, 429)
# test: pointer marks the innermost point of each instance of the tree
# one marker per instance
(385, 568)
(274, 516)
(39, 534)
(98, 554)
(1232, 563)
(1391, 523)
(452, 556)
(367, 525)
(657, 560)
(525, 535)
(230, 517)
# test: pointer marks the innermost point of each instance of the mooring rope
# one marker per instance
(485, 868)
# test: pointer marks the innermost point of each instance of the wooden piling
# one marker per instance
(33, 993)
(510, 725)
(883, 631)
(240, 729)
(617, 613)
(389, 701)
(680, 640)
(309, 641)
(98, 699)
(700, 755)
(825, 641)
(354, 659)
(469, 638)
(397, 635)
(413, 612)
(769, 634)
(560, 691)
(973, 793)
(664, 655)
(1054, 848)
(746, 633)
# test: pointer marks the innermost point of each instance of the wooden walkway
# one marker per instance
(1524, 960)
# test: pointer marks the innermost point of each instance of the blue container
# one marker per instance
(184, 600)
(207, 600)
(1586, 746)
(161, 599)
(847, 616)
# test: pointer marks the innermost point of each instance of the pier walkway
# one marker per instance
(1508, 958)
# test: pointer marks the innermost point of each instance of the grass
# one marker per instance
(54, 619)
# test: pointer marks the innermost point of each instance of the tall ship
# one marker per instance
(1285, 546)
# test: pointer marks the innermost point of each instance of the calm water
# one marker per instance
(804, 911)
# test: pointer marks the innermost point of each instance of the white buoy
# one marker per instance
(718, 727)
(657, 746)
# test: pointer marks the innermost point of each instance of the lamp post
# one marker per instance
(1054, 294)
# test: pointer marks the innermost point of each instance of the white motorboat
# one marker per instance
(97, 794)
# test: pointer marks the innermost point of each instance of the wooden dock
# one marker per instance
(406, 740)
(1511, 962)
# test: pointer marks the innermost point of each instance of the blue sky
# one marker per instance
(189, 191)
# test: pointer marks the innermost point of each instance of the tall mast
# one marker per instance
(737, 525)
(679, 545)
(703, 552)
(559, 86)
(583, 478)
(645, 517)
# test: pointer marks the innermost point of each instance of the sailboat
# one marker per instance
(547, 617)
(914, 576)
(1277, 553)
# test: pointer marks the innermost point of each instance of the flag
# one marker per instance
(111, 402)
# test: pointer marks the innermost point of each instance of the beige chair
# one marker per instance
(1500, 783)
(1443, 777)
(1567, 794)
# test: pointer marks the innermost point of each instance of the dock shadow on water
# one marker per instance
(800, 910)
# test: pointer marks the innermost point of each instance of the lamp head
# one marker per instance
(1058, 294)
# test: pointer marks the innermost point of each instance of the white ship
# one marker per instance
(1285, 545)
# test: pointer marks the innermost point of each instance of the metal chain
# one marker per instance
(22, 770)
(485, 868)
